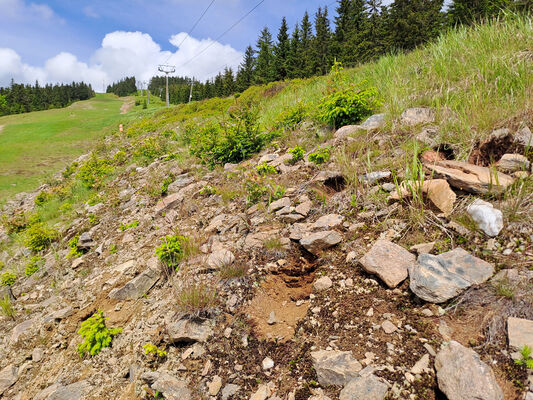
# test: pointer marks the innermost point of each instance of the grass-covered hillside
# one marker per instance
(366, 234)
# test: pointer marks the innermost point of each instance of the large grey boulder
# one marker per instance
(137, 287)
(462, 375)
(334, 367)
(8, 377)
(318, 241)
(439, 278)
(169, 386)
(367, 387)
(189, 331)
(388, 261)
(487, 218)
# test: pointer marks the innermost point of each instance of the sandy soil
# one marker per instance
(126, 107)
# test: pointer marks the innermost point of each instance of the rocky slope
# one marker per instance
(320, 294)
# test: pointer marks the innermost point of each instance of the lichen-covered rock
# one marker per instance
(439, 278)
(318, 241)
(367, 387)
(189, 331)
(335, 367)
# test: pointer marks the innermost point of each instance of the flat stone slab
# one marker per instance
(168, 202)
(318, 241)
(172, 388)
(335, 367)
(520, 333)
(417, 115)
(470, 178)
(189, 331)
(462, 375)
(367, 387)
(388, 261)
(137, 287)
(8, 377)
(437, 279)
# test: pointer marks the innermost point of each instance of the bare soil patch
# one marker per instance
(127, 106)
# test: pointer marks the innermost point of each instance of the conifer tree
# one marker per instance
(321, 43)
(306, 47)
(469, 11)
(294, 59)
(413, 22)
(281, 51)
(264, 70)
(245, 74)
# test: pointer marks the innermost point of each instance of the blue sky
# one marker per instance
(51, 40)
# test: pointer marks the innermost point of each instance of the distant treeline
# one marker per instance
(20, 98)
(124, 87)
(362, 31)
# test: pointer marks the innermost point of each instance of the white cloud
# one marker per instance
(124, 54)
(21, 11)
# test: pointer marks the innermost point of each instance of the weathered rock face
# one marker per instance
(335, 367)
(488, 218)
(462, 375)
(279, 204)
(171, 387)
(318, 241)
(180, 182)
(137, 287)
(437, 190)
(74, 391)
(439, 278)
(168, 202)
(189, 331)
(327, 222)
(388, 261)
(520, 333)
(471, 178)
(8, 376)
(513, 162)
(220, 258)
(85, 241)
(417, 115)
(375, 121)
(365, 387)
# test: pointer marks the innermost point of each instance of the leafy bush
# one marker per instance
(38, 236)
(526, 359)
(93, 219)
(33, 265)
(171, 250)
(166, 183)
(42, 198)
(208, 190)
(152, 350)
(266, 169)
(152, 147)
(298, 154)
(93, 171)
(230, 141)
(320, 156)
(73, 245)
(257, 191)
(291, 117)
(120, 158)
(8, 278)
(96, 335)
(348, 106)
(69, 169)
(17, 222)
(125, 227)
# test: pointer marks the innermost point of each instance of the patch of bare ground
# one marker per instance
(127, 106)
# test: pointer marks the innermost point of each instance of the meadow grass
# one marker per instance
(36, 145)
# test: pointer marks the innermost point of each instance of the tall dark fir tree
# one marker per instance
(321, 54)
(281, 51)
(264, 67)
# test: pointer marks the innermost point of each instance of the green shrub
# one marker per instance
(33, 265)
(145, 106)
(166, 183)
(93, 219)
(125, 227)
(113, 249)
(69, 170)
(93, 171)
(152, 147)
(171, 250)
(73, 245)
(348, 106)
(257, 191)
(96, 335)
(152, 350)
(38, 236)
(17, 222)
(230, 141)
(8, 278)
(208, 191)
(120, 158)
(2, 265)
(298, 154)
(266, 169)
(320, 156)
(42, 198)
(526, 359)
(291, 117)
